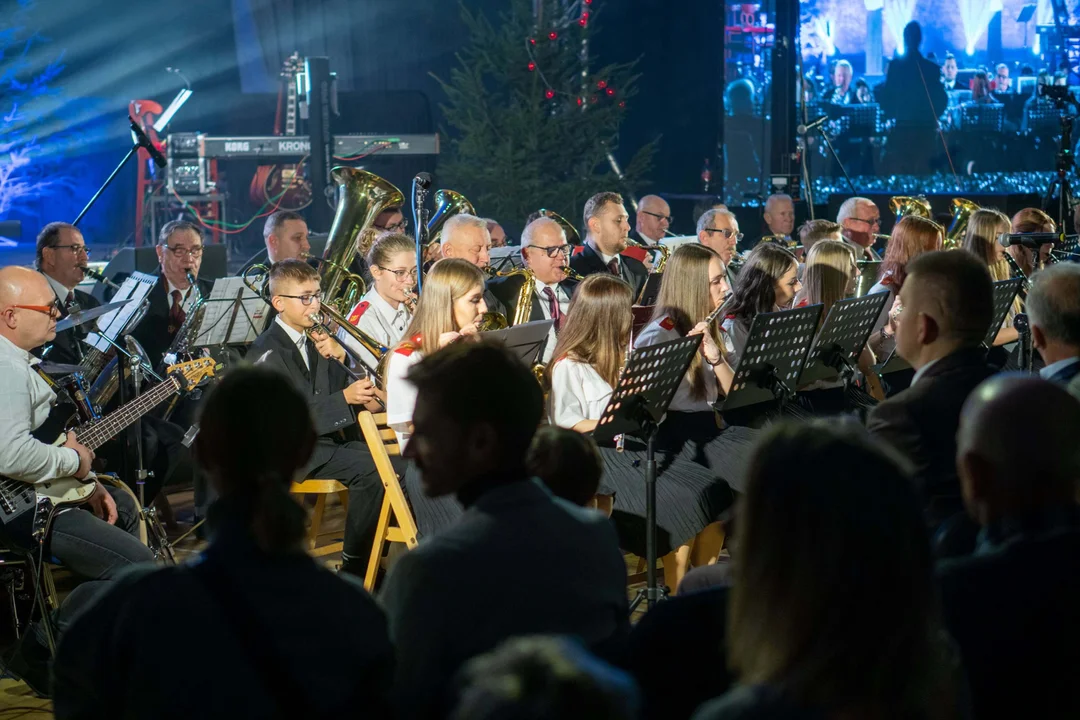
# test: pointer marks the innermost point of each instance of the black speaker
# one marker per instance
(145, 260)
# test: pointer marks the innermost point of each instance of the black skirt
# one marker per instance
(696, 437)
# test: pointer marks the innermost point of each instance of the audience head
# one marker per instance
(860, 219)
(830, 274)
(768, 280)
(568, 462)
(606, 222)
(780, 213)
(255, 437)
(544, 678)
(286, 236)
(391, 220)
(596, 329)
(179, 250)
(912, 37)
(28, 309)
(62, 253)
(545, 250)
(719, 231)
(813, 231)
(947, 303)
(498, 235)
(984, 228)
(466, 237)
(912, 236)
(392, 262)
(453, 299)
(1053, 306)
(833, 566)
(1016, 448)
(653, 218)
(295, 292)
(949, 68)
(461, 436)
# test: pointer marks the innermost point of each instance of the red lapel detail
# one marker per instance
(358, 311)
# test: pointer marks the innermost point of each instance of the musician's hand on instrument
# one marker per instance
(360, 392)
(889, 330)
(102, 504)
(328, 346)
(448, 337)
(86, 455)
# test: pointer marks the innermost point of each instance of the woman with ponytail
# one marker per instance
(246, 604)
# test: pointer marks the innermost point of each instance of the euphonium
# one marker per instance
(962, 211)
(355, 287)
(361, 197)
(573, 237)
(447, 204)
(903, 205)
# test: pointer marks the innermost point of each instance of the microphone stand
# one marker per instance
(112, 176)
(421, 183)
(832, 151)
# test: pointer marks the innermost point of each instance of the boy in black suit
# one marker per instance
(315, 369)
(608, 225)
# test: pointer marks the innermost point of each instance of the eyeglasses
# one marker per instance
(726, 233)
(51, 310)
(75, 249)
(400, 274)
(400, 226)
(305, 299)
(870, 221)
(658, 216)
(183, 251)
(552, 252)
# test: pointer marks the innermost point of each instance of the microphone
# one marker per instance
(804, 129)
(99, 277)
(1028, 240)
(423, 180)
(144, 142)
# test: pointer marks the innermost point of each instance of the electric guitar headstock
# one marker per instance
(193, 372)
(292, 67)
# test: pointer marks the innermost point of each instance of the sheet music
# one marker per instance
(226, 321)
(137, 286)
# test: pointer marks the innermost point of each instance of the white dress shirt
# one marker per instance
(400, 393)
(564, 304)
(577, 393)
(299, 339)
(379, 319)
(25, 401)
(655, 333)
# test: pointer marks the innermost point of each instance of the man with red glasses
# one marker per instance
(94, 543)
(861, 221)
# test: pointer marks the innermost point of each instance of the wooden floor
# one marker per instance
(18, 701)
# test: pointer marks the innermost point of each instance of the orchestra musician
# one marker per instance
(981, 239)
(860, 219)
(498, 235)
(949, 70)
(588, 359)
(780, 215)
(96, 540)
(545, 252)
(391, 220)
(651, 224)
(718, 230)
(466, 237)
(450, 308)
(693, 286)
(842, 92)
(606, 229)
(285, 234)
(61, 257)
(767, 282)
(314, 364)
(384, 312)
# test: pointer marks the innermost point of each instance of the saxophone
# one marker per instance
(189, 329)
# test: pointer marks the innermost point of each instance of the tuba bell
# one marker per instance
(903, 205)
(572, 235)
(962, 211)
(447, 204)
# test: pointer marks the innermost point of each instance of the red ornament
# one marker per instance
(532, 66)
(549, 94)
(580, 101)
(532, 41)
(611, 91)
(602, 84)
(583, 20)
(552, 35)
(588, 2)
(622, 104)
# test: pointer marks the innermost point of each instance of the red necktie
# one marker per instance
(176, 312)
(613, 267)
(553, 307)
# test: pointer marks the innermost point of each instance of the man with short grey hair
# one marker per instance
(466, 237)
(860, 219)
(719, 230)
(1053, 306)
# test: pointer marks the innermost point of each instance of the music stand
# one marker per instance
(842, 338)
(989, 117)
(650, 290)
(525, 340)
(505, 259)
(773, 357)
(645, 388)
(1004, 294)
(868, 272)
(233, 315)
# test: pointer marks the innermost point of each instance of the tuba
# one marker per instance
(903, 205)
(962, 210)
(447, 204)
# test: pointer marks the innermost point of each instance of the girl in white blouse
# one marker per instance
(695, 284)
(449, 309)
(767, 282)
(587, 361)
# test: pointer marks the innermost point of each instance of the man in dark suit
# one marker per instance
(315, 367)
(1053, 306)
(914, 96)
(61, 258)
(286, 236)
(1011, 606)
(545, 252)
(948, 307)
(651, 224)
(455, 596)
(607, 226)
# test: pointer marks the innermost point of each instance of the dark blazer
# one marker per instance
(903, 96)
(506, 291)
(65, 348)
(259, 258)
(321, 387)
(921, 422)
(1012, 611)
(589, 262)
(152, 332)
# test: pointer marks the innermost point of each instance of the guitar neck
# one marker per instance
(100, 432)
(290, 106)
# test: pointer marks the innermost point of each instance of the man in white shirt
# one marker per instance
(1053, 306)
(545, 252)
(94, 543)
(607, 227)
(861, 220)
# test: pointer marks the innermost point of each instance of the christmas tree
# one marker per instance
(532, 122)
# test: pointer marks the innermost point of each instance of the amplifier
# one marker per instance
(197, 145)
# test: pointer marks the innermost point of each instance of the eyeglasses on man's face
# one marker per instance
(400, 274)
(869, 221)
(400, 226)
(180, 251)
(305, 299)
(658, 216)
(51, 310)
(726, 232)
(75, 249)
(552, 252)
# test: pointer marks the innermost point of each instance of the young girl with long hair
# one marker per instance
(767, 282)
(588, 358)
(984, 228)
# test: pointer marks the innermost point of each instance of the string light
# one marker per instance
(549, 94)
(532, 66)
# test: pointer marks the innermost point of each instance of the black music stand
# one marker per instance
(650, 290)
(842, 337)
(773, 358)
(989, 117)
(1004, 294)
(645, 388)
(525, 340)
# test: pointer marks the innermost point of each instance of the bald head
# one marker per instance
(1016, 447)
(19, 283)
(543, 231)
(25, 328)
(653, 218)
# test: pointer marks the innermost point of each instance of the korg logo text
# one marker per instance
(237, 147)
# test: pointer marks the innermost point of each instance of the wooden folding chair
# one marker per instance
(321, 489)
(382, 442)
